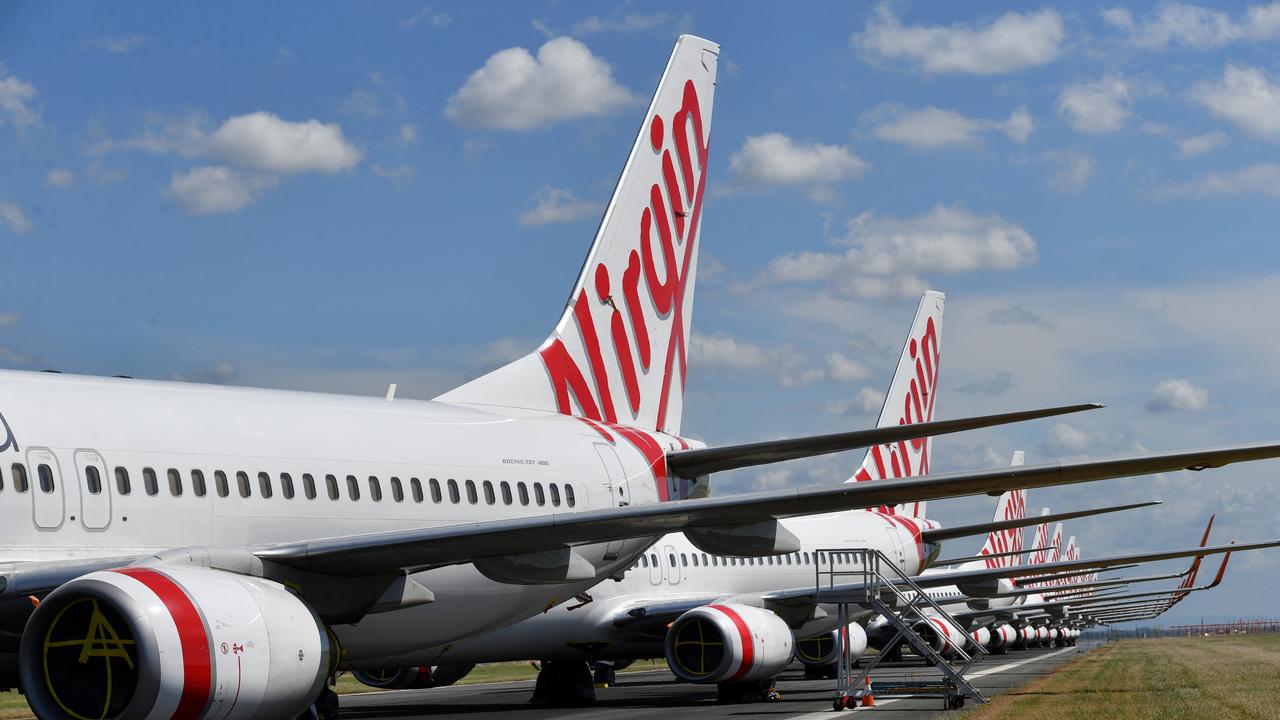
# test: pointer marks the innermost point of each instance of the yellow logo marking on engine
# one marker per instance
(101, 641)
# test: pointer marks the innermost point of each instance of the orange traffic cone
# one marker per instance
(868, 700)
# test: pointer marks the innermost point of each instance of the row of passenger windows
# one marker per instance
(508, 493)
(795, 558)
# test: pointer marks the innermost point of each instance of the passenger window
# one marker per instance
(220, 483)
(653, 558)
(806, 558)
(92, 480)
(644, 561)
(20, 477)
(332, 483)
(672, 558)
(524, 493)
(123, 486)
(264, 485)
(242, 479)
(309, 486)
(695, 561)
(45, 474)
(538, 496)
(175, 482)
(1, 482)
(555, 495)
(489, 498)
(453, 492)
(568, 495)
(471, 493)
(506, 492)
(197, 483)
(705, 561)
(684, 560)
(375, 489)
(435, 490)
(353, 487)
(415, 487)
(286, 486)
(397, 490)
(149, 482)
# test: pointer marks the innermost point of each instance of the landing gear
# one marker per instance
(604, 673)
(759, 691)
(324, 708)
(564, 683)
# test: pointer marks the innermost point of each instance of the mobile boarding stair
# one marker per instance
(885, 589)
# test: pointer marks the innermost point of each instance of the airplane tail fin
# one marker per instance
(911, 397)
(1041, 542)
(618, 352)
(1012, 505)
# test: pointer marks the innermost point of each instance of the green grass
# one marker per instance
(1225, 678)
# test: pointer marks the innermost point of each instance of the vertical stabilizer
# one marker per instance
(1041, 543)
(1012, 505)
(911, 399)
(618, 352)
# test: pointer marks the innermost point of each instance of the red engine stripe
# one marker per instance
(943, 634)
(748, 648)
(197, 681)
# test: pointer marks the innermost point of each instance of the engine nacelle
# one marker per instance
(1027, 634)
(982, 636)
(1003, 636)
(1042, 634)
(822, 650)
(172, 641)
(728, 643)
(413, 678)
(941, 635)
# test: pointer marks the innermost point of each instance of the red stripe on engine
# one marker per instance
(744, 633)
(197, 680)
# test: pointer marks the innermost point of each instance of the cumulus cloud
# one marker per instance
(1260, 179)
(119, 44)
(184, 135)
(886, 255)
(1014, 41)
(1194, 26)
(224, 370)
(59, 178)
(773, 159)
(211, 189)
(844, 369)
(1016, 315)
(866, 402)
(517, 91)
(931, 128)
(1072, 169)
(557, 205)
(398, 174)
(1177, 394)
(994, 385)
(263, 141)
(15, 107)
(1246, 97)
(1100, 106)
(1067, 440)
(634, 22)
(428, 16)
(787, 365)
(1202, 143)
(15, 217)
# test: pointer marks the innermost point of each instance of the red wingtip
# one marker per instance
(1222, 571)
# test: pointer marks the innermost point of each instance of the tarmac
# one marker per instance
(657, 696)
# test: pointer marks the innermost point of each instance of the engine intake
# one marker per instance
(823, 650)
(174, 641)
(728, 643)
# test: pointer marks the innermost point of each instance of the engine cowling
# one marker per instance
(1027, 634)
(728, 643)
(822, 650)
(172, 641)
(941, 635)
(412, 678)
(1042, 634)
(1003, 636)
(982, 636)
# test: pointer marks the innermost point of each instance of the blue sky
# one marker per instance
(323, 196)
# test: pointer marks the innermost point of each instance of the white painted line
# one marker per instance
(827, 714)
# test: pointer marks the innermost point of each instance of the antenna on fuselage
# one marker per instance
(391, 392)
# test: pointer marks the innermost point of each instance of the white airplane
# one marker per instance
(187, 551)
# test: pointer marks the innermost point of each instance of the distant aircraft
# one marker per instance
(190, 551)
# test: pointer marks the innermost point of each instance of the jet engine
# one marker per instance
(172, 641)
(982, 636)
(413, 678)
(822, 650)
(1002, 638)
(1027, 635)
(728, 643)
(941, 635)
(1042, 635)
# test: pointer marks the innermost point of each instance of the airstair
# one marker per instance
(866, 579)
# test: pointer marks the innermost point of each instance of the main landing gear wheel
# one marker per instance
(324, 708)
(564, 684)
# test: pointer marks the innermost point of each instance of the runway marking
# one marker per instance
(971, 676)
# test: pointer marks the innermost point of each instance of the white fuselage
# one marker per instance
(674, 570)
(351, 450)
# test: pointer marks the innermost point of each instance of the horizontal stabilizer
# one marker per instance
(704, 461)
(940, 534)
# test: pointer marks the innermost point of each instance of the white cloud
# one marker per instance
(557, 205)
(517, 91)
(1260, 179)
(263, 141)
(15, 96)
(1073, 168)
(1097, 107)
(930, 128)
(408, 134)
(184, 135)
(15, 217)
(208, 189)
(788, 366)
(401, 173)
(1194, 26)
(1202, 143)
(60, 178)
(775, 159)
(119, 44)
(1016, 315)
(1177, 394)
(886, 255)
(1067, 440)
(434, 19)
(224, 370)
(844, 369)
(995, 385)
(866, 402)
(1246, 97)
(634, 22)
(1011, 42)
